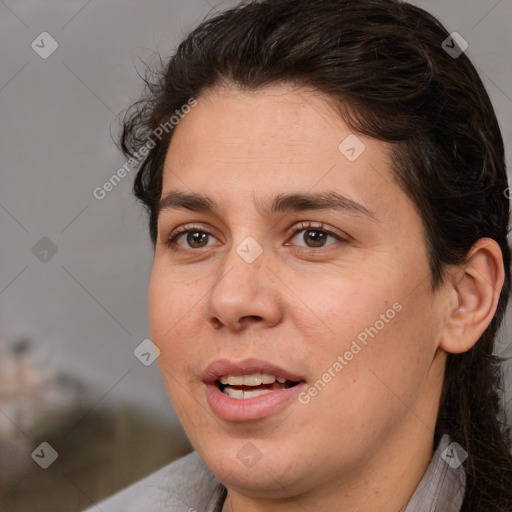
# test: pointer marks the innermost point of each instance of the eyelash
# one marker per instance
(303, 226)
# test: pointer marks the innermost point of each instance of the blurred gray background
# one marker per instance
(83, 308)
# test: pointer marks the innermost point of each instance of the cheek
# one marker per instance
(169, 299)
(387, 339)
(389, 372)
(173, 314)
(335, 309)
(401, 339)
(170, 318)
(161, 307)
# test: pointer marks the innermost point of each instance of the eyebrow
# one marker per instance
(281, 203)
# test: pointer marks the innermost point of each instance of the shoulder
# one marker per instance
(181, 485)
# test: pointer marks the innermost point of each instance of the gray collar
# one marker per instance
(440, 490)
(442, 487)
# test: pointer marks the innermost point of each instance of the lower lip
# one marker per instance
(249, 409)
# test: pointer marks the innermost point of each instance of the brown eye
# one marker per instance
(196, 238)
(189, 238)
(314, 236)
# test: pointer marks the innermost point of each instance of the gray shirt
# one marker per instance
(186, 485)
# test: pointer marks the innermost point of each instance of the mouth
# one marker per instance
(251, 385)
(249, 390)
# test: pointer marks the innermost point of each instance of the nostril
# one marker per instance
(250, 319)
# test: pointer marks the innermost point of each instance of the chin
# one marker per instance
(255, 472)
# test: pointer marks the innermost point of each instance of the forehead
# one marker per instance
(237, 145)
(262, 124)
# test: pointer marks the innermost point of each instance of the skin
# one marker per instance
(363, 443)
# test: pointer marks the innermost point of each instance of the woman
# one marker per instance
(326, 190)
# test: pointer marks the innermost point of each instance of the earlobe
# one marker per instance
(475, 290)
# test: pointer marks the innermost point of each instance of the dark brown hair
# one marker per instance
(383, 64)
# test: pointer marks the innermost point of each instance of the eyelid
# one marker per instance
(320, 226)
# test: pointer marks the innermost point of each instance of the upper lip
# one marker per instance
(221, 367)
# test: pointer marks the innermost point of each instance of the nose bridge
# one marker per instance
(242, 289)
(241, 272)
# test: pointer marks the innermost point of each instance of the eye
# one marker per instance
(315, 235)
(194, 237)
(197, 237)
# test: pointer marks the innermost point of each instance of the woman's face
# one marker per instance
(304, 262)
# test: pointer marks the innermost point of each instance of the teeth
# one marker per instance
(240, 395)
(234, 393)
(232, 380)
(253, 379)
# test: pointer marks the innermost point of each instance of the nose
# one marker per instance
(243, 294)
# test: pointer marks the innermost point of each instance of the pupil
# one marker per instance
(317, 238)
(194, 238)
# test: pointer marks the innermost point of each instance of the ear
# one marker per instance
(474, 289)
